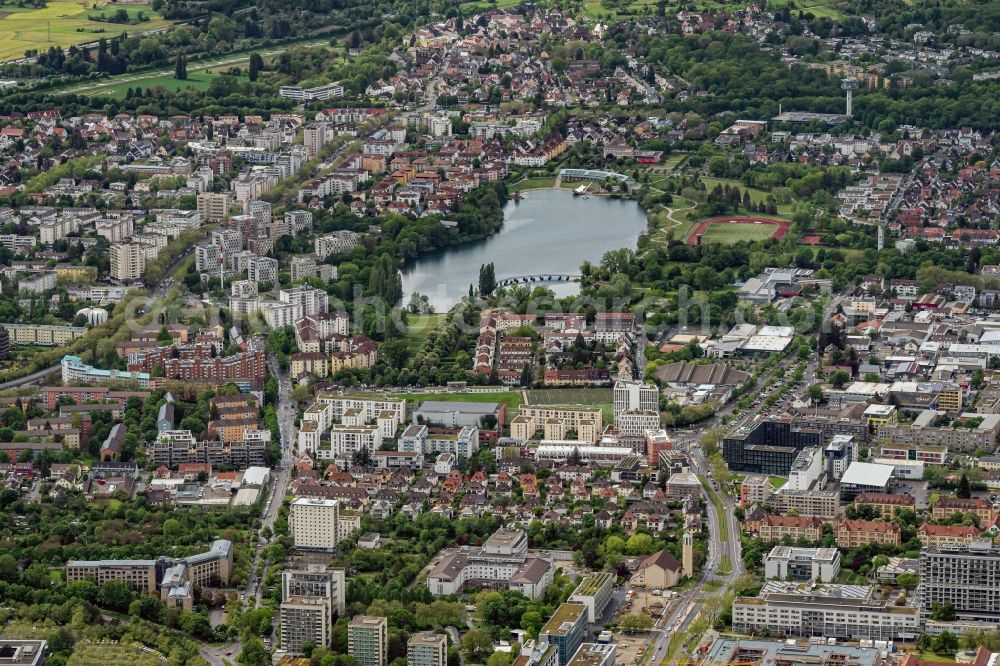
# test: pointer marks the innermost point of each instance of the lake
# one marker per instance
(548, 231)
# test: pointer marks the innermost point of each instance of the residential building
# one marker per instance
(755, 489)
(819, 503)
(426, 648)
(944, 507)
(537, 653)
(934, 536)
(368, 640)
(210, 568)
(128, 262)
(633, 423)
(316, 580)
(821, 565)
(313, 523)
(21, 652)
(262, 269)
(305, 620)
(213, 207)
(775, 528)
(967, 577)
(595, 654)
(886, 504)
(858, 533)
(629, 395)
(566, 630)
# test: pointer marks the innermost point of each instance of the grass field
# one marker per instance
(730, 234)
(419, 326)
(756, 196)
(63, 23)
(87, 653)
(196, 80)
(534, 184)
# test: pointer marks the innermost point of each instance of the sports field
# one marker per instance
(730, 230)
(570, 396)
(64, 23)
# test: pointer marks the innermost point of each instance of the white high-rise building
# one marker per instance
(128, 261)
(633, 395)
(313, 523)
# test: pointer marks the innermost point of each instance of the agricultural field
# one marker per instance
(64, 23)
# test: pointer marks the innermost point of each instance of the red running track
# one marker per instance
(779, 232)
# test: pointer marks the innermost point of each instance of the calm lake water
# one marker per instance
(548, 231)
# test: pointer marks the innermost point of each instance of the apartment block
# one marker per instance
(368, 640)
(316, 580)
(967, 577)
(425, 648)
(858, 533)
(636, 395)
(213, 207)
(305, 620)
(128, 262)
(313, 523)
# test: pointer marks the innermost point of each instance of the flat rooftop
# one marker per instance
(727, 651)
(564, 617)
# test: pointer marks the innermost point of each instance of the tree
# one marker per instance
(639, 544)
(362, 457)
(908, 581)
(839, 378)
(532, 622)
(943, 612)
(254, 654)
(635, 622)
(945, 643)
(487, 279)
(499, 659)
(256, 64)
(180, 67)
(526, 378)
(815, 393)
(116, 595)
(964, 487)
(477, 645)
